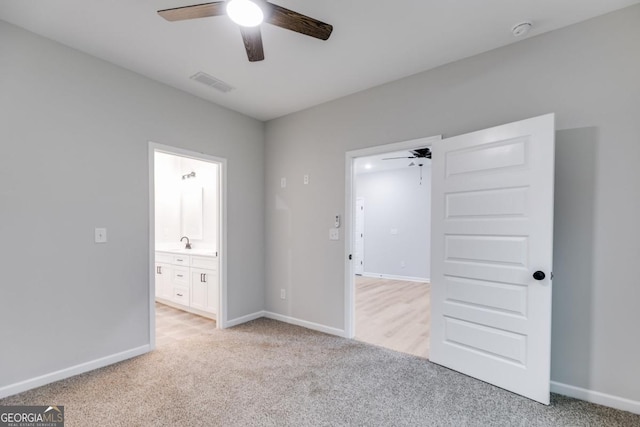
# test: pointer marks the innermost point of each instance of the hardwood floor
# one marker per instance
(393, 314)
(174, 325)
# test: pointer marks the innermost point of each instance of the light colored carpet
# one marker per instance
(267, 373)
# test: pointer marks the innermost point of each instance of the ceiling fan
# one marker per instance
(249, 14)
(418, 153)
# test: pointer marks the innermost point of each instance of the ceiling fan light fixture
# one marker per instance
(245, 13)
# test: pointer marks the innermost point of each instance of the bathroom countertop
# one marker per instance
(182, 251)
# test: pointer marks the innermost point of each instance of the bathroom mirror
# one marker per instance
(191, 213)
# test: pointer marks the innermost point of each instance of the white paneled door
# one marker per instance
(492, 236)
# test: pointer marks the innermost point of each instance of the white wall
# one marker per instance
(167, 199)
(169, 184)
(395, 200)
(588, 75)
(74, 133)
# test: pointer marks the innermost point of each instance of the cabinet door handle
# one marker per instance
(179, 260)
(179, 295)
(179, 275)
(203, 278)
(159, 270)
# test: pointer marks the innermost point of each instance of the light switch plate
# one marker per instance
(101, 235)
(334, 234)
(283, 182)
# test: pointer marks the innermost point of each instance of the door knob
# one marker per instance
(539, 275)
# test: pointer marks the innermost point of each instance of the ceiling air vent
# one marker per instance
(208, 80)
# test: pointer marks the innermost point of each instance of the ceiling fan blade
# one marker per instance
(252, 39)
(394, 158)
(196, 11)
(294, 21)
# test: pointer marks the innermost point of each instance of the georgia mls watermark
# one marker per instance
(31, 416)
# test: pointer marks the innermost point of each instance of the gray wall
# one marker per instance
(395, 199)
(588, 74)
(74, 132)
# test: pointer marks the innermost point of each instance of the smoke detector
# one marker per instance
(521, 29)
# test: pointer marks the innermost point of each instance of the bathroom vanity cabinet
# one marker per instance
(187, 281)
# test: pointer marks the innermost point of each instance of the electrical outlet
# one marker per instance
(283, 294)
(402, 264)
(101, 235)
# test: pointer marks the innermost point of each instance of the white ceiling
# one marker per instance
(373, 42)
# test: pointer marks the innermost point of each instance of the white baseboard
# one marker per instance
(596, 397)
(32, 383)
(305, 324)
(394, 277)
(243, 319)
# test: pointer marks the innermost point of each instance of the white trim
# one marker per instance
(394, 277)
(305, 324)
(349, 218)
(244, 319)
(221, 316)
(152, 249)
(596, 397)
(222, 232)
(62, 374)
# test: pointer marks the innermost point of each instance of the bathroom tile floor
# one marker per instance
(175, 325)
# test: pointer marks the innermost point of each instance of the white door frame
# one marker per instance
(359, 269)
(349, 222)
(221, 315)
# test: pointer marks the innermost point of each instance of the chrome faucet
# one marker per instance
(188, 245)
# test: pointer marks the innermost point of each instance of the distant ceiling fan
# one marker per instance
(249, 14)
(418, 153)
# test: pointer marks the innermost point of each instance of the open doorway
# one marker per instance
(492, 251)
(186, 240)
(390, 240)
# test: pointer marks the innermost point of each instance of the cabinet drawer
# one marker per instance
(208, 262)
(164, 257)
(181, 276)
(181, 260)
(181, 295)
